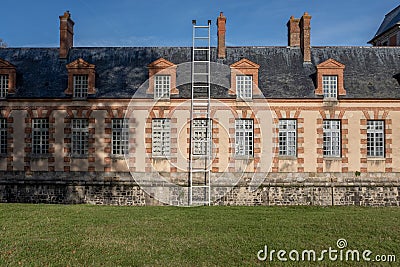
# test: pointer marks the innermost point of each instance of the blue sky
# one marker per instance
(168, 22)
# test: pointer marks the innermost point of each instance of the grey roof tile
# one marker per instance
(120, 71)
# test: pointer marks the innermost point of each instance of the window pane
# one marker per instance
(80, 136)
(3, 86)
(3, 136)
(162, 86)
(161, 137)
(244, 137)
(375, 138)
(81, 86)
(201, 137)
(120, 136)
(331, 138)
(244, 86)
(40, 136)
(287, 137)
(329, 85)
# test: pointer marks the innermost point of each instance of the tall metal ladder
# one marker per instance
(200, 151)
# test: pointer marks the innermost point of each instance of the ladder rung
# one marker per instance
(200, 86)
(201, 26)
(202, 38)
(200, 74)
(201, 49)
(201, 61)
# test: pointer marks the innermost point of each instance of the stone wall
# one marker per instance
(278, 189)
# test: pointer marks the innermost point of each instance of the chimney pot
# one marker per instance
(66, 34)
(221, 25)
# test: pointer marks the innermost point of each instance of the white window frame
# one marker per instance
(376, 138)
(244, 137)
(80, 137)
(81, 85)
(161, 140)
(162, 86)
(288, 137)
(4, 84)
(40, 136)
(330, 86)
(201, 137)
(332, 138)
(120, 136)
(3, 135)
(244, 86)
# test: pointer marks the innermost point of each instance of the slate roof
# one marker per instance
(391, 19)
(371, 72)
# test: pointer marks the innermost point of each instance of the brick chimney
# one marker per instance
(305, 44)
(66, 34)
(293, 32)
(221, 25)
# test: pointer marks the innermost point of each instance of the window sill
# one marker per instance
(75, 156)
(376, 159)
(117, 157)
(287, 157)
(161, 157)
(244, 157)
(332, 158)
(40, 156)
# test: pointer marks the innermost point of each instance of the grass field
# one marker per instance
(82, 235)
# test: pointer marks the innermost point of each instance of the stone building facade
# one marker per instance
(292, 125)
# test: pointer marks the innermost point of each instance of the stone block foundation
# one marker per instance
(277, 189)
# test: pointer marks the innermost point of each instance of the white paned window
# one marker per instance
(3, 86)
(3, 136)
(287, 137)
(244, 86)
(329, 85)
(244, 137)
(161, 143)
(201, 137)
(375, 138)
(120, 136)
(40, 136)
(162, 86)
(331, 138)
(80, 136)
(81, 85)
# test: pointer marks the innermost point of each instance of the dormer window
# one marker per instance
(3, 85)
(330, 80)
(81, 79)
(162, 79)
(329, 84)
(244, 86)
(244, 79)
(162, 86)
(81, 86)
(8, 76)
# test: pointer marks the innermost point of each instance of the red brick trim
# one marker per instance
(81, 67)
(162, 67)
(6, 68)
(330, 67)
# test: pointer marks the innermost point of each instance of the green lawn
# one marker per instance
(82, 235)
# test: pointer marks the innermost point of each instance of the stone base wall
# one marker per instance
(281, 189)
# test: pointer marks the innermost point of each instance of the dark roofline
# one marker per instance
(382, 33)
